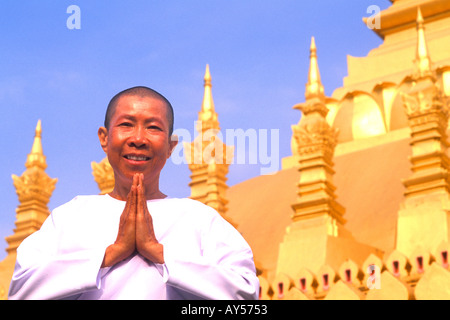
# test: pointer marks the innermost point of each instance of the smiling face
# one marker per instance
(137, 141)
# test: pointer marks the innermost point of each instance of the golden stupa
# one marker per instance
(367, 186)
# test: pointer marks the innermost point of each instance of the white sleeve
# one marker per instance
(43, 273)
(224, 271)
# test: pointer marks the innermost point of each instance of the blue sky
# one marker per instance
(257, 51)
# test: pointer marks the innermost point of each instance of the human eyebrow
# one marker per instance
(125, 118)
(153, 119)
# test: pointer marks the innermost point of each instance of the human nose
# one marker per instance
(138, 139)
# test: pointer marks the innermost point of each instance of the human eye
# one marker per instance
(154, 127)
(125, 124)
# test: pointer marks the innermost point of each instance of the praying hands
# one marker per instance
(135, 229)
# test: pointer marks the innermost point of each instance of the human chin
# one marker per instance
(124, 178)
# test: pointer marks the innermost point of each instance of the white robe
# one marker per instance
(205, 257)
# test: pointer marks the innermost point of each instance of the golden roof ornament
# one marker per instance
(313, 133)
(425, 95)
(103, 175)
(34, 183)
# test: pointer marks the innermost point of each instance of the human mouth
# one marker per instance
(136, 157)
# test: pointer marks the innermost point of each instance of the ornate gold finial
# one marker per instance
(103, 175)
(423, 61)
(34, 189)
(208, 116)
(314, 87)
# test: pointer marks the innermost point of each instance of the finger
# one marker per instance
(143, 210)
(136, 179)
(131, 196)
(133, 200)
(142, 183)
(139, 200)
(146, 217)
(126, 209)
(128, 202)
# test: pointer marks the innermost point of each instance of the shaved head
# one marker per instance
(142, 92)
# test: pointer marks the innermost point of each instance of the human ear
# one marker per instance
(172, 144)
(103, 137)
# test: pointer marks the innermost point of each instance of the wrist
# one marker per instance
(113, 255)
(153, 252)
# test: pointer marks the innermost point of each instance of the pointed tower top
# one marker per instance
(419, 15)
(314, 87)
(313, 44)
(207, 77)
(36, 157)
(208, 116)
(423, 61)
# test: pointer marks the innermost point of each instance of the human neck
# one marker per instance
(121, 191)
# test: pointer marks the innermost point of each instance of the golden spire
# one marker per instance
(314, 87)
(208, 157)
(427, 110)
(36, 157)
(208, 116)
(315, 141)
(423, 61)
(34, 189)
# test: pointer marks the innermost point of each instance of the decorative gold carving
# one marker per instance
(103, 175)
(312, 106)
(315, 136)
(424, 99)
(34, 184)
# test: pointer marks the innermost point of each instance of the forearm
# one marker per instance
(57, 277)
(209, 280)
